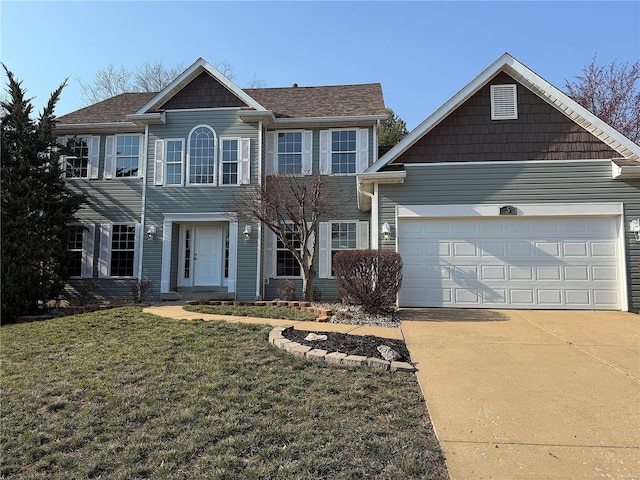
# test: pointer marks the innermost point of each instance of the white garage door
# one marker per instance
(510, 262)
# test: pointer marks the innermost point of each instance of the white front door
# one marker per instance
(207, 256)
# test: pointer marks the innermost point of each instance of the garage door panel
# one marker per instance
(475, 262)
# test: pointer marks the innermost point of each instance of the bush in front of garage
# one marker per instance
(370, 278)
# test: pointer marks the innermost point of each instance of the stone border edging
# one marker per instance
(304, 351)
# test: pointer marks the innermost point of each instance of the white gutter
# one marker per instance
(361, 119)
(259, 259)
(144, 202)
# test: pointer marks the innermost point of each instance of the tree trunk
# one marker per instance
(308, 277)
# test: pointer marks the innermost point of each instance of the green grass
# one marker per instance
(120, 394)
(260, 312)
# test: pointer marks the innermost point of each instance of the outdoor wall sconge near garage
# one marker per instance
(634, 226)
(151, 233)
(247, 232)
(386, 230)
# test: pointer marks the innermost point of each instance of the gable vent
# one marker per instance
(504, 102)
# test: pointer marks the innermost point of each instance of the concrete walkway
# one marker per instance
(176, 311)
(531, 394)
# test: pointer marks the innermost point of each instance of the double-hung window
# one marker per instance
(123, 247)
(202, 156)
(174, 160)
(75, 247)
(286, 263)
(80, 242)
(339, 235)
(343, 237)
(229, 161)
(80, 156)
(343, 151)
(127, 155)
(122, 156)
(289, 153)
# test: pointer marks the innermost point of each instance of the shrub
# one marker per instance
(370, 278)
(287, 290)
(140, 290)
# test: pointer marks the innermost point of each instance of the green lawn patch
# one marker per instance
(120, 394)
(284, 313)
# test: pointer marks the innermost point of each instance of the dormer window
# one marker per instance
(504, 102)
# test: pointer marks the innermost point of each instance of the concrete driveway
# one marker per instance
(531, 394)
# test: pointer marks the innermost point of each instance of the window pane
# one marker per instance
(286, 263)
(77, 164)
(229, 162)
(75, 247)
(202, 156)
(174, 162)
(343, 237)
(122, 250)
(343, 151)
(127, 155)
(289, 153)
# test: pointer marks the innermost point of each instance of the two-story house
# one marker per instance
(159, 170)
(510, 195)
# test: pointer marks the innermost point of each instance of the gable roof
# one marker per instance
(285, 103)
(506, 63)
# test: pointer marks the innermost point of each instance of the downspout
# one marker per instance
(259, 260)
(144, 201)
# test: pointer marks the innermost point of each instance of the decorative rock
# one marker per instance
(314, 336)
(388, 353)
(322, 319)
(354, 360)
(335, 357)
(377, 363)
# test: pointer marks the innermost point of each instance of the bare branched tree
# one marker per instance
(612, 93)
(291, 207)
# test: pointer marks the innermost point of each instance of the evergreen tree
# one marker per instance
(36, 205)
(392, 130)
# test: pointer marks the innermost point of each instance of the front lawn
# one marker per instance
(120, 394)
(284, 313)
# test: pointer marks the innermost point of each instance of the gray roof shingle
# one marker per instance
(288, 102)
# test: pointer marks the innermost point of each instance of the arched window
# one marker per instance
(202, 155)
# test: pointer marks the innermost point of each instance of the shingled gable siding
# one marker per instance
(112, 201)
(513, 183)
(540, 132)
(196, 198)
(204, 91)
(349, 211)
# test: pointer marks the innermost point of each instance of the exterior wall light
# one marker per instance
(151, 232)
(386, 230)
(634, 226)
(247, 232)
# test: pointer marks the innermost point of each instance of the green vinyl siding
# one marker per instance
(513, 183)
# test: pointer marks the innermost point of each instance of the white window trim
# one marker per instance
(110, 157)
(271, 255)
(306, 152)
(324, 250)
(104, 260)
(165, 162)
(88, 242)
(504, 102)
(216, 143)
(93, 158)
(238, 161)
(361, 151)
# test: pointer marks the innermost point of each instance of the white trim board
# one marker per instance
(523, 209)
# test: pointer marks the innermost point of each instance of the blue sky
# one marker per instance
(422, 53)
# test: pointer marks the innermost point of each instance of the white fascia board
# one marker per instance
(608, 209)
(148, 118)
(265, 116)
(355, 120)
(200, 217)
(537, 84)
(397, 176)
(114, 127)
(189, 74)
(624, 171)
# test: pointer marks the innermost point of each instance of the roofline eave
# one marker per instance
(105, 127)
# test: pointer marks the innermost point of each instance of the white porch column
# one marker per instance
(165, 278)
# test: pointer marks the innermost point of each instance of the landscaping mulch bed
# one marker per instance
(365, 345)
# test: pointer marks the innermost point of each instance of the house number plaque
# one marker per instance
(508, 210)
